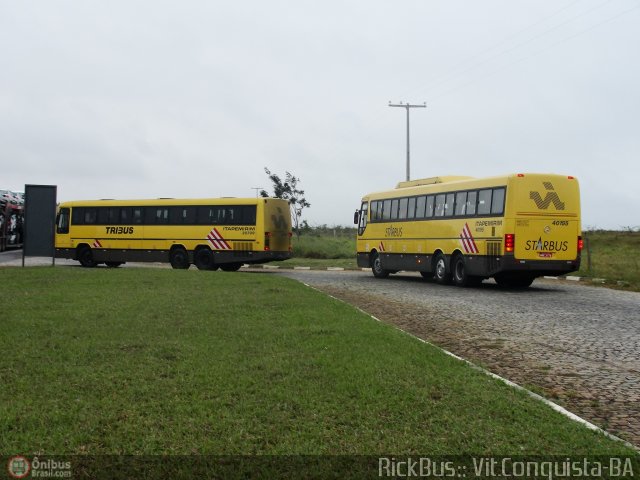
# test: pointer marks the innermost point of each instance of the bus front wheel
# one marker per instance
(441, 269)
(179, 258)
(376, 266)
(85, 257)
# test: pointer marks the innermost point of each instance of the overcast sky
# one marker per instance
(137, 99)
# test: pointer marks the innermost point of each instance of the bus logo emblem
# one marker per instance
(551, 197)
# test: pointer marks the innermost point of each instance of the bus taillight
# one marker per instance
(509, 242)
(267, 241)
(580, 244)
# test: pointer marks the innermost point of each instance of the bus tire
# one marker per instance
(441, 269)
(203, 259)
(376, 266)
(460, 276)
(113, 264)
(179, 258)
(85, 257)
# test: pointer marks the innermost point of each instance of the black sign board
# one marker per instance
(39, 221)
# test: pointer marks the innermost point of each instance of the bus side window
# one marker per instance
(402, 214)
(484, 202)
(249, 215)
(420, 204)
(394, 209)
(461, 203)
(90, 216)
(77, 216)
(497, 204)
(471, 203)
(386, 210)
(411, 212)
(137, 215)
(429, 210)
(448, 206)
(440, 204)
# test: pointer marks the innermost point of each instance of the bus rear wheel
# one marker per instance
(460, 276)
(203, 259)
(179, 258)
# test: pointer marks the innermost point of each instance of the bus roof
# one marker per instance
(149, 202)
(447, 183)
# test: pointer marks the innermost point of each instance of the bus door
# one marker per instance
(360, 218)
(63, 238)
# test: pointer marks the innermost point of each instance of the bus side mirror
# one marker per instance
(356, 217)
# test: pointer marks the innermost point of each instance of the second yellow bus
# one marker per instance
(513, 228)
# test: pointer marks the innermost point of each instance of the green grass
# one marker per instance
(150, 361)
(615, 256)
(324, 246)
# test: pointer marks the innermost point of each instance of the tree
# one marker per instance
(288, 190)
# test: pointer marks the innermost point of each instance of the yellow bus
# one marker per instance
(513, 228)
(210, 233)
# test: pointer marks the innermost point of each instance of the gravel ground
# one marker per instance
(577, 345)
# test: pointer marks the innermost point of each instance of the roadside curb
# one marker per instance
(593, 280)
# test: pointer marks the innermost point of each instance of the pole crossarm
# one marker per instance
(408, 106)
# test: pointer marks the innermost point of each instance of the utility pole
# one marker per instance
(408, 106)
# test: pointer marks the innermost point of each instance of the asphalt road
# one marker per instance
(577, 345)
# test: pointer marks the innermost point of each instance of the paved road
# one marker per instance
(577, 344)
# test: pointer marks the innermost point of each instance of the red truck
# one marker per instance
(11, 220)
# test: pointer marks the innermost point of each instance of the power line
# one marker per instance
(408, 106)
(539, 52)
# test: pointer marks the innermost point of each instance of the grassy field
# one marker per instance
(150, 361)
(615, 256)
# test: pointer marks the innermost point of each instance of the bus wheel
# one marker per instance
(441, 269)
(113, 264)
(230, 267)
(460, 276)
(85, 257)
(376, 267)
(179, 258)
(204, 259)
